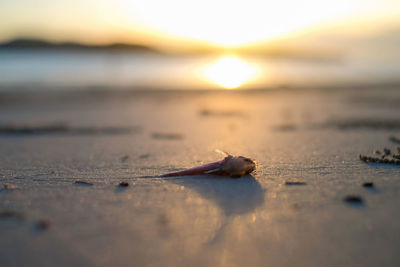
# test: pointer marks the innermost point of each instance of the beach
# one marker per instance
(292, 211)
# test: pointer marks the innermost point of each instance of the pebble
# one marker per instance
(123, 184)
(353, 199)
(368, 184)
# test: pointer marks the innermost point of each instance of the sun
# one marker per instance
(229, 72)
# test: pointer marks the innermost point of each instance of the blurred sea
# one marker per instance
(57, 70)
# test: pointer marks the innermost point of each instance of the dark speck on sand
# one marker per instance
(394, 139)
(43, 224)
(285, 127)
(123, 184)
(221, 113)
(386, 151)
(364, 123)
(81, 182)
(295, 183)
(353, 199)
(377, 152)
(124, 158)
(8, 187)
(167, 136)
(368, 184)
(60, 128)
(10, 214)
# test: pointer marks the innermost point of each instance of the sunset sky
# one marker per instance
(221, 23)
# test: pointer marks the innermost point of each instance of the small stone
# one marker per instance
(123, 184)
(368, 184)
(353, 199)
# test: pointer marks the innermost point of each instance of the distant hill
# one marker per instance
(45, 45)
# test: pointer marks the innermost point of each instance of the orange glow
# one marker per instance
(230, 72)
(221, 22)
(234, 23)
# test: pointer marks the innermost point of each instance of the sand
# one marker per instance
(291, 212)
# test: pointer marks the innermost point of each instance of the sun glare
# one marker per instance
(229, 72)
(235, 23)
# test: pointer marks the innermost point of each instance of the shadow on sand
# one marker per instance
(233, 196)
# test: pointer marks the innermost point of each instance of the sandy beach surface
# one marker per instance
(291, 212)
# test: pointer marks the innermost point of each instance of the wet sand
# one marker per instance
(306, 205)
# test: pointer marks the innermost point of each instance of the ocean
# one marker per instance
(58, 70)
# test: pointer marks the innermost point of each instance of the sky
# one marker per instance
(223, 23)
